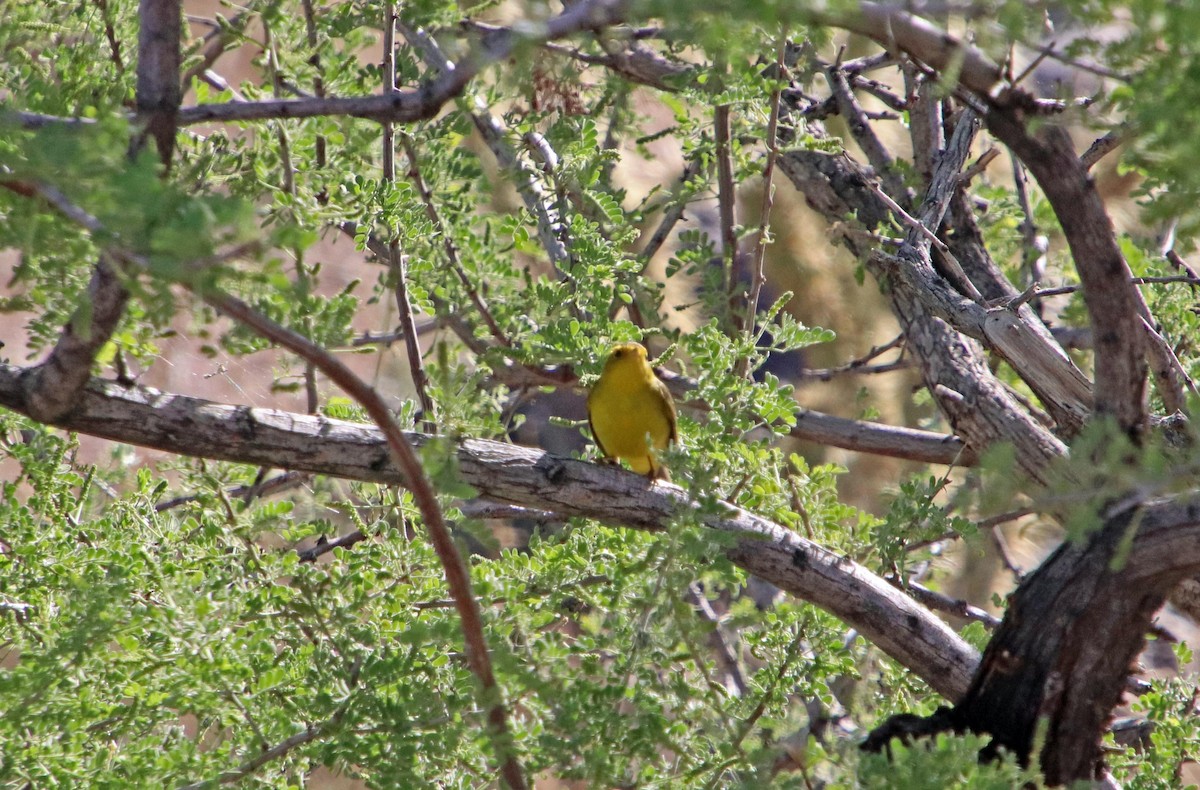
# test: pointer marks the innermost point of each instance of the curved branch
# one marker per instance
(902, 628)
(402, 455)
(896, 29)
(1114, 305)
(53, 387)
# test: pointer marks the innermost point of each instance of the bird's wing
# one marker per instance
(596, 436)
(668, 408)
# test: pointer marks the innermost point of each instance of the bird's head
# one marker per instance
(626, 355)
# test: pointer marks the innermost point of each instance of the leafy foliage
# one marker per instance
(157, 622)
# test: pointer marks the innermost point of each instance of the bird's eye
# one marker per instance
(619, 352)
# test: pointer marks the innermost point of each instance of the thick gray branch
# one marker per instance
(954, 367)
(527, 477)
(1112, 303)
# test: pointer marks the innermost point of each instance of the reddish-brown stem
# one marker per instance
(458, 578)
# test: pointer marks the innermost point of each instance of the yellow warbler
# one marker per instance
(630, 411)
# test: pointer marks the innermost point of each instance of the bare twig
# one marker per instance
(397, 261)
(276, 76)
(908, 219)
(38, 120)
(320, 151)
(726, 659)
(307, 735)
(860, 365)
(114, 46)
(387, 338)
(854, 369)
(757, 276)
(214, 45)
(448, 245)
(795, 650)
(926, 120)
(289, 186)
(726, 197)
(324, 546)
(1102, 147)
(1002, 549)
(489, 509)
(276, 485)
(673, 212)
(978, 167)
(940, 602)
(528, 375)
(638, 64)
(857, 435)
(1167, 248)
(1189, 279)
(1049, 51)
(475, 508)
(1033, 249)
(1170, 376)
(864, 135)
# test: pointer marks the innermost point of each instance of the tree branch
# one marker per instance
(526, 477)
(726, 201)
(214, 45)
(426, 100)
(858, 435)
(897, 30)
(307, 735)
(158, 85)
(953, 366)
(864, 135)
(448, 245)
(1112, 302)
(758, 276)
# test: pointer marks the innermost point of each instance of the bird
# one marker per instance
(631, 413)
